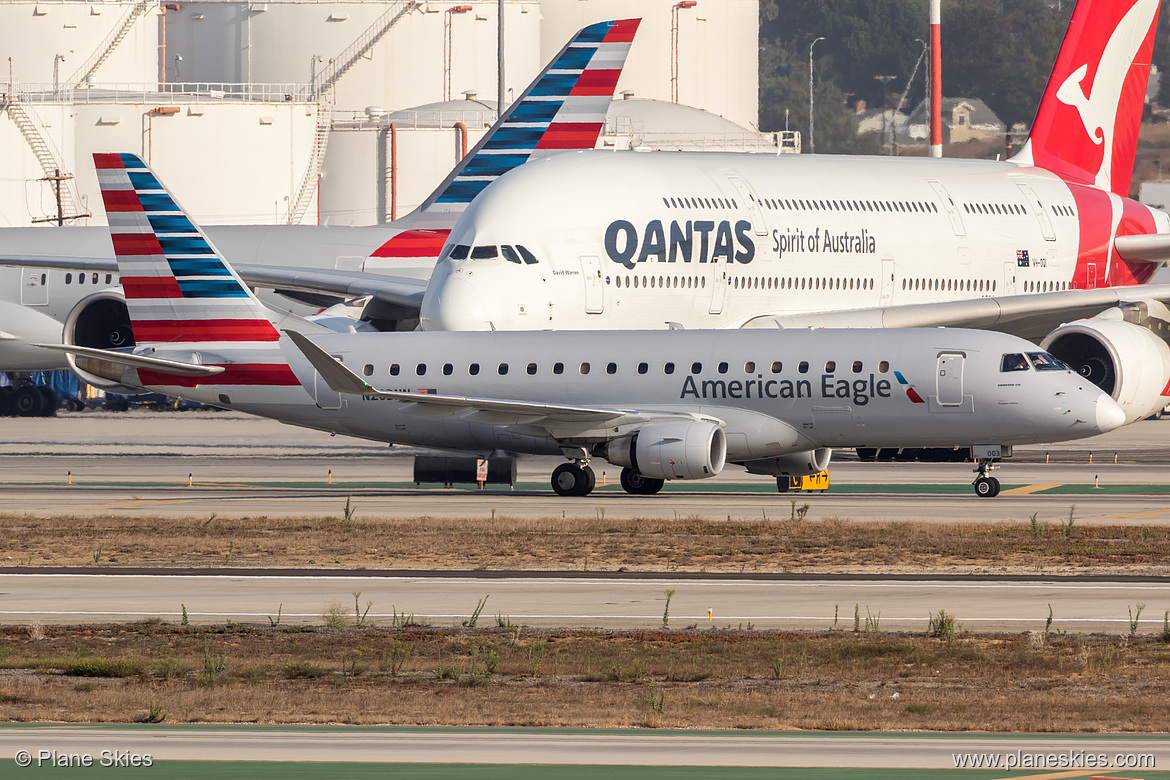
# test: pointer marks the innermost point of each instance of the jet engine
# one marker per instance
(796, 464)
(675, 450)
(1125, 359)
(102, 321)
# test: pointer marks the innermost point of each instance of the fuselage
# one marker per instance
(775, 392)
(640, 240)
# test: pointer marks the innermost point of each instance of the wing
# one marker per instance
(1027, 316)
(562, 421)
(397, 290)
(138, 361)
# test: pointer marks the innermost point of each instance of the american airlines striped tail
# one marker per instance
(178, 288)
(564, 108)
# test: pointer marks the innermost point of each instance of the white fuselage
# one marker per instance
(775, 392)
(639, 240)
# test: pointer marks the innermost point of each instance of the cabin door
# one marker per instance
(594, 284)
(34, 290)
(949, 388)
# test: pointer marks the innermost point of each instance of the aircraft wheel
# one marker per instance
(782, 484)
(866, 453)
(28, 401)
(987, 487)
(569, 479)
(589, 483)
(632, 481)
(51, 401)
(7, 404)
(652, 486)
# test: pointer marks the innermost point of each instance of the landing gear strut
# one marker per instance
(986, 486)
(639, 484)
(573, 479)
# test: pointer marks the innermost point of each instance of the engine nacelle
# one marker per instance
(102, 321)
(675, 450)
(1125, 360)
(796, 464)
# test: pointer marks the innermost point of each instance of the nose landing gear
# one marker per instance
(986, 486)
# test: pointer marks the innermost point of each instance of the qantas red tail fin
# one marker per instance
(1087, 126)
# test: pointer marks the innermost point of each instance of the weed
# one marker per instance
(227, 557)
(303, 671)
(276, 621)
(154, 714)
(36, 632)
(1135, 614)
(1036, 531)
(1048, 623)
(353, 664)
(85, 687)
(349, 510)
(184, 621)
(1036, 638)
(97, 555)
(654, 698)
(170, 669)
(100, 667)
(536, 656)
(359, 616)
(401, 619)
(335, 615)
(666, 612)
(942, 626)
(836, 614)
(213, 664)
(872, 621)
(634, 672)
(1066, 529)
(491, 658)
(856, 618)
(395, 657)
(802, 511)
(503, 621)
(919, 709)
(213, 516)
(1166, 626)
(782, 663)
(446, 671)
(471, 621)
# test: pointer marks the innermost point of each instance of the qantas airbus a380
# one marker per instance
(1046, 245)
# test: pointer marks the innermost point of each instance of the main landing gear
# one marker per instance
(986, 486)
(573, 479)
(639, 484)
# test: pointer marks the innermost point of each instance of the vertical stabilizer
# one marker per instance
(1087, 127)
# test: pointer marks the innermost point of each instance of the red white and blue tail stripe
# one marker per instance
(564, 108)
(178, 287)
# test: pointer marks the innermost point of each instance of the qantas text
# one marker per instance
(702, 241)
(860, 391)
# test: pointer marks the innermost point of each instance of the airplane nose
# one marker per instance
(1109, 415)
(455, 302)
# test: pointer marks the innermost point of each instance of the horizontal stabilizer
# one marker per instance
(1149, 248)
(138, 361)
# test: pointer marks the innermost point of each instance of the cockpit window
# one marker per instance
(459, 252)
(1042, 361)
(528, 256)
(484, 253)
(1013, 361)
(510, 255)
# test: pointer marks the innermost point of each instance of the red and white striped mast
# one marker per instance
(935, 79)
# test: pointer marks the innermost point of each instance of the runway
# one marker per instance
(588, 601)
(584, 748)
(194, 463)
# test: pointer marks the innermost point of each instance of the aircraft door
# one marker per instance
(1009, 277)
(1038, 209)
(594, 284)
(759, 227)
(718, 288)
(949, 385)
(1091, 276)
(948, 204)
(887, 281)
(34, 288)
(327, 398)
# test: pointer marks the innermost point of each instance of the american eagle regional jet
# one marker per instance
(1046, 245)
(660, 404)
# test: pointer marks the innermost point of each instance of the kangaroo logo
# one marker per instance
(1098, 108)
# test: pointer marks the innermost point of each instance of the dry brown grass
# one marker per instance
(650, 543)
(691, 678)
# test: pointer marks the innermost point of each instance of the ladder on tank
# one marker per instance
(30, 128)
(309, 182)
(340, 65)
(107, 47)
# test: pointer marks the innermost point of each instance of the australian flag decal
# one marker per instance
(1022, 258)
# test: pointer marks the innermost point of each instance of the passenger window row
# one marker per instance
(473, 369)
(874, 206)
(700, 203)
(81, 278)
(686, 282)
(1045, 286)
(800, 283)
(995, 208)
(950, 285)
(1064, 211)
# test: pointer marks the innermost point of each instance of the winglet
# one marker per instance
(338, 377)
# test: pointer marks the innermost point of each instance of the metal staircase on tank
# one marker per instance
(107, 47)
(322, 87)
(50, 162)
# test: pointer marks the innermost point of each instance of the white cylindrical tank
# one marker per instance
(70, 37)
(382, 166)
(703, 53)
(228, 161)
(437, 51)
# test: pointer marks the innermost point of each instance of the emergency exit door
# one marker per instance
(949, 388)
